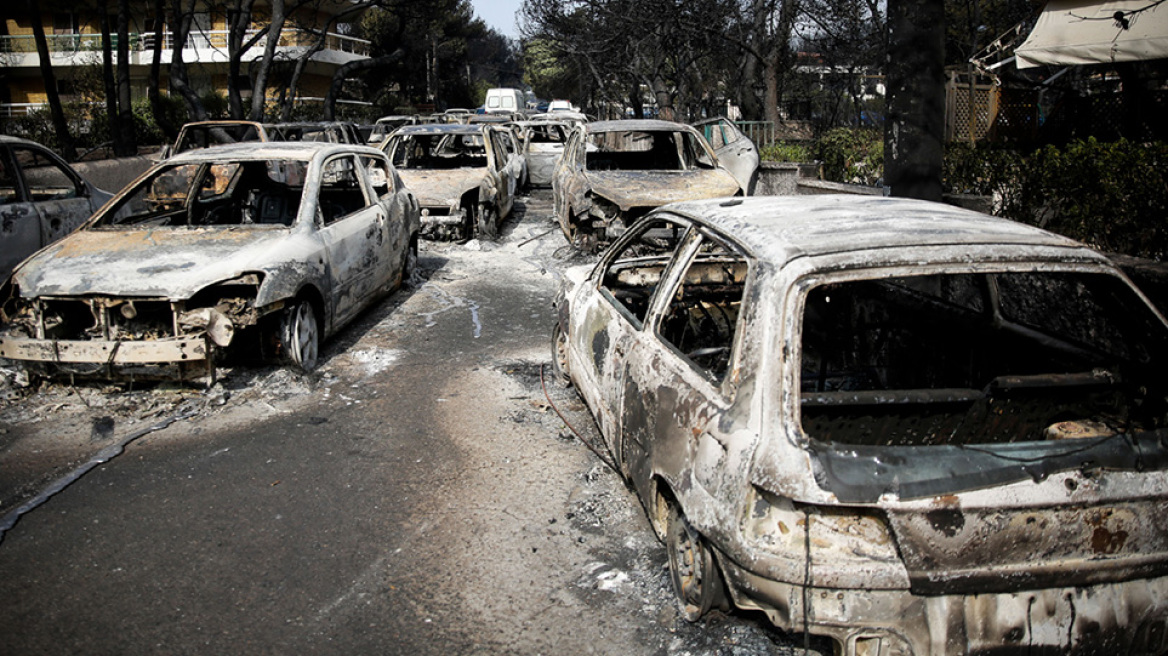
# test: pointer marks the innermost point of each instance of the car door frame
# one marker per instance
(672, 409)
(606, 347)
(739, 156)
(353, 261)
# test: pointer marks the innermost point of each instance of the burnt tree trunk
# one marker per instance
(60, 126)
(126, 143)
(914, 127)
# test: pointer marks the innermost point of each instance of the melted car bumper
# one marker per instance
(179, 349)
(1124, 617)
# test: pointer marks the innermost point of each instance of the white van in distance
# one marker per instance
(504, 100)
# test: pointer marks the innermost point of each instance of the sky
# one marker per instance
(499, 14)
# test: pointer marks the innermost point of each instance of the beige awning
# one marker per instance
(1073, 32)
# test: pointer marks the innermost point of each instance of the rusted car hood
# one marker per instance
(630, 189)
(158, 262)
(442, 187)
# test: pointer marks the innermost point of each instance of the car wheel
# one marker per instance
(300, 335)
(696, 580)
(486, 224)
(560, 353)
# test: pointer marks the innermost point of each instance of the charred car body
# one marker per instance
(613, 172)
(464, 176)
(910, 428)
(204, 134)
(285, 241)
(42, 199)
(543, 144)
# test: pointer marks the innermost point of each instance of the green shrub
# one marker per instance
(852, 155)
(787, 151)
(1111, 195)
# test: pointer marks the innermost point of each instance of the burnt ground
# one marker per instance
(417, 493)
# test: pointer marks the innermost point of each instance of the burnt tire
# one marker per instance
(696, 580)
(410, 262)
(560, 354)
(299, 336)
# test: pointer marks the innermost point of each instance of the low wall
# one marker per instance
(113, 174)
(780, 178)
(817, 187)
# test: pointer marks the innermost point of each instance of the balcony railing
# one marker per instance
(214, 39)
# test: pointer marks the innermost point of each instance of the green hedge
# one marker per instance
(1111, 195)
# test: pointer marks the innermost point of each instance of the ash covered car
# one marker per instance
(204, 134)
(543, 143)
(282, 243)
(613, 172)
(466, 177)
(42, 199)
(903, 426)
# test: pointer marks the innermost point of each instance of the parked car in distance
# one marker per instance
(542, 143)
(904, 426)
(465, 176)
(42, 199)
(734, 149)
(613, 172)
(203, 134)
(279, 244)
(385, 126)
(504, 100)
(323, 131)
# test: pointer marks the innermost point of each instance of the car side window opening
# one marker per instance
(9, 191)
(701, 319)
(341, 193)
(45, 178)
(980, 359)
(378, 174)
(634, 271)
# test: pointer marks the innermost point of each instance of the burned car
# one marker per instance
(543, 143)
(464, 175)
(42, 199)
(613, 172)
(204, 134)
(903, 426)
(282, 243)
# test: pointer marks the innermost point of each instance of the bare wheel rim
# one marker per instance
(560, 352)
(304, 338)
(691, 566)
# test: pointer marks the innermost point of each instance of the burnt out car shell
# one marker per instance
(337, 263)
(916, 545)
(596, 192)
(39, 206)
(462, 191)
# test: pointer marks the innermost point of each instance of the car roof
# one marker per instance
(296, 150)
(441, 128)
(779, 229)
(6, 138)
(646, 124)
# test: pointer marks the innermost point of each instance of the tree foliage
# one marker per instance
(692, 57)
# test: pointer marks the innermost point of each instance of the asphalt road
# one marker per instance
(415, 495)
